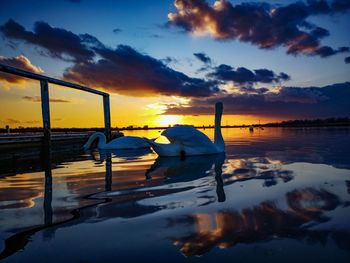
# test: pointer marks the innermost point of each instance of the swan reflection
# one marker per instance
(125, 155)
(189, 169)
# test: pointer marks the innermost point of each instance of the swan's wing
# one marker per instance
(187, 135)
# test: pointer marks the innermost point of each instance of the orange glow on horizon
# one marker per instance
(84, 110)
(166, 120)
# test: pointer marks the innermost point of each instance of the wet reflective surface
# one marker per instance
(277, 195)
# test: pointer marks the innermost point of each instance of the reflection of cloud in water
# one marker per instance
(348, 186)
(263, 222)
(256, 168)
(288, 145)
(20, 191)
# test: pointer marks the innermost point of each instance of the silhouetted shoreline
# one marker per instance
(330, 122)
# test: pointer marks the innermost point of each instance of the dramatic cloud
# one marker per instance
(125, 71)
(242, 75)
(57, 42)
(38, 99)
(203, 57)
(117, 30)
(347, 60)
(287, 102)
(21, 62)
(122, 70)
(326, 51)
(260, 23)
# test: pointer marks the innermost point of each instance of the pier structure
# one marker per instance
(45, 98)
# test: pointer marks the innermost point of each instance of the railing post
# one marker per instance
(107, 116)
(46, 151)
(45, 108)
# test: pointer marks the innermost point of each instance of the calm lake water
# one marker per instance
(278, 195)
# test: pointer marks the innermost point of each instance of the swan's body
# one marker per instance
(124, 142)
(186, 140)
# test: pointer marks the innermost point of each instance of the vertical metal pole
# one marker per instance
(107, 117)
(45, 108)
(46, 151)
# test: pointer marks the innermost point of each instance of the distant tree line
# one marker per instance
(340, 121)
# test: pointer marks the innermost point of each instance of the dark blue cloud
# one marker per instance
(57, 42)
(327, 51)
(117, 30)
(122, 70)
(261, 24)
(340, 5)
(327, 7)
(288, 102)
(203, 57)
(126, 71)
(243, 75)
(347, 60)
(252, 90)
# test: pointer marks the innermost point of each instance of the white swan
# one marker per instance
(124, 142)
(186, 140)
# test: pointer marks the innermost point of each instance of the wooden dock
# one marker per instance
(27, 152)
(19, 140)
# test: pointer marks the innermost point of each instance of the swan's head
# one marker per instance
(94, 137)
(219, 107)
(87, 146)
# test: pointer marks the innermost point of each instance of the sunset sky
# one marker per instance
(166, 62)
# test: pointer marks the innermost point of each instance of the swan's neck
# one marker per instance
(101, 140)
(218, 139)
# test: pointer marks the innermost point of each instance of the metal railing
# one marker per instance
(45, 100)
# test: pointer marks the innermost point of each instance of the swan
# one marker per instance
(185, 140)
(124, 142)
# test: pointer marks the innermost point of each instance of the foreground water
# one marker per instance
(277, 195)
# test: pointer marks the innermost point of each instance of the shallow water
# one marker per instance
(277, 195)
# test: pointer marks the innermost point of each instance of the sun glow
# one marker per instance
(166, 120)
